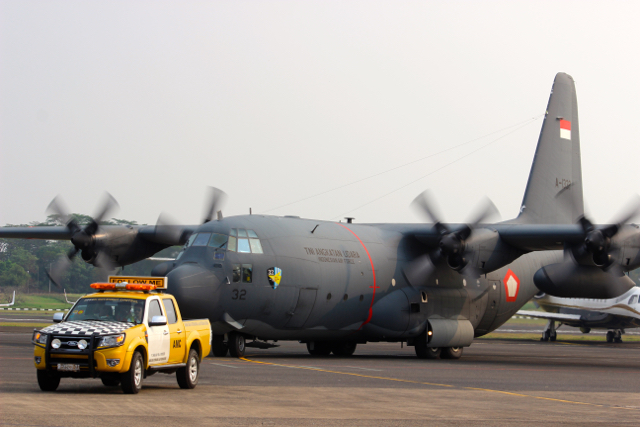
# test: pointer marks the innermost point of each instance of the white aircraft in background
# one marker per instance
(12, 301)
(614, 314)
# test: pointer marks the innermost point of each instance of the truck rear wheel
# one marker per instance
(131, 380)
(48, 381)
(188, 376)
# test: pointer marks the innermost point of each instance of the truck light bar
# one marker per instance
(122, 286)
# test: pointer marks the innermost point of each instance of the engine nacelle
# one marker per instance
(569, 280)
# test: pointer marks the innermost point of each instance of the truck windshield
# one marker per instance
(109, 309)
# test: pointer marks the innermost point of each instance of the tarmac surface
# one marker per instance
(496, 382)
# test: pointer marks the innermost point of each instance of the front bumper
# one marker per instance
(91, 361)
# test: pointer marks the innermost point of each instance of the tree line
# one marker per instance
(24, 262)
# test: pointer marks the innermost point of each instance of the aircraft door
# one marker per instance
(158, 335)
(306, 299)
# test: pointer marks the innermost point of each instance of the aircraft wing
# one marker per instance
(47, 233)
(560, 317)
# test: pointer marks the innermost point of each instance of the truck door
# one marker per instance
(158, 335)
(176, 332)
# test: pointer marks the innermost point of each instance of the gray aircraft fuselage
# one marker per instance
(338, 281)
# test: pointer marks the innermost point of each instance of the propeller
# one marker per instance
(215, 199)
(83, 239)
(597, 241)
(452, 245)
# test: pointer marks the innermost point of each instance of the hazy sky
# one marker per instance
(274, 102)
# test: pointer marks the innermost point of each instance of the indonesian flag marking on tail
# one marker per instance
(511, 286)
(565, 129)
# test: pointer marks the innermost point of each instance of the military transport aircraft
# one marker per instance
(334, 285)
(613, 314)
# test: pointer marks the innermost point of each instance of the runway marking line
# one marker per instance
(575, 402)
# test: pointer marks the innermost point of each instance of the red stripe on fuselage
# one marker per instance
(373, 271)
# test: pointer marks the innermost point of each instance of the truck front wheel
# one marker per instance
(188, 376)
(131, 380)
(47, 381)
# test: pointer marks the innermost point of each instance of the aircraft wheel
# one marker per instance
(585, 330)
(236, 344)
(424, 352)
(552, 337)
(451, 353)
(219, 348)
(545, 336)
(47, 381)
(319, 348)
(609, 336)
(344, 349)
(188, 376)
(110, 381)
(131, 381)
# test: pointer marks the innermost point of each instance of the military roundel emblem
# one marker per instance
(511, 286)
(275, 275)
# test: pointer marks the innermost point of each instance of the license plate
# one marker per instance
(71, 367)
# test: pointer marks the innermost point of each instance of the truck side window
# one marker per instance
(172, 317)
(236, 272)
(154, 309)
(246, 273)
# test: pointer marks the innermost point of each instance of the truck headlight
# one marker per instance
(39, 338)
(111, 340)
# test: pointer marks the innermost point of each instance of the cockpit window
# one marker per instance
(202, 239)
(246, 242)
(633, 299)
(256, 247)
(190, 241)
(243, 246)
(218, 241)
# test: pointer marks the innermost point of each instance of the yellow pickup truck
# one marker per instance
(123, 333)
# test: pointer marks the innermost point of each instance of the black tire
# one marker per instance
(188, 376)
(545, 336)
(344, 349)
(609, 336)
(236, 344)
(131, 381)
(219, 348)
(451, 353)
(110, 381)
(552, 338)
(319, 348)
(424, 352)
(48, 381)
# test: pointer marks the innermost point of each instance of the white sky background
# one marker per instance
(276, 101)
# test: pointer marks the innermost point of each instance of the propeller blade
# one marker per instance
(425, 205)
(215, 199)
(629, 212)
(167, 230)
(485, 211)
(60, 267)
(59, 208)
(419, 270)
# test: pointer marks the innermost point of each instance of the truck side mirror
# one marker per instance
(57, 317)
(158, 321)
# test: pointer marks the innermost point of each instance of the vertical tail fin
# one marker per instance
(554, 190)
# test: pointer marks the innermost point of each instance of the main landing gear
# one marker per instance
(338, 348)
(549, 333)
(615, 335)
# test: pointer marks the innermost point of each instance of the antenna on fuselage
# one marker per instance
(219, 215)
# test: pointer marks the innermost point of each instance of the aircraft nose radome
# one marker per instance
(195, 289)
